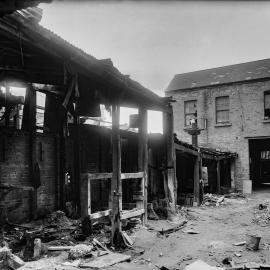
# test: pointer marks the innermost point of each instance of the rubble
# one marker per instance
(262, 214)
(80, 251)
(10, 260)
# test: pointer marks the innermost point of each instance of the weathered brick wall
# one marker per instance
(246, 119)
(47, 166)
(14, 170)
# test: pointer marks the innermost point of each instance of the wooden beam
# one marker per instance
(116, 184)
(132, 213)
(168, 128)
(196, 189)
(218, 176)
(106, 176)
(32, 148)
(100, 214)
(136, 175)
(186, 149)
(143, 160)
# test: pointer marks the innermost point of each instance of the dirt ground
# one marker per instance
(219, 228)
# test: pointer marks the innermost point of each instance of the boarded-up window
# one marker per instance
(267, 105)
(222, 109)
(190, 111)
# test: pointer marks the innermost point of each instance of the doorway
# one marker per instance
(259, 153)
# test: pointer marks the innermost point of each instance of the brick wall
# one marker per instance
(14, 170)
(246, 119)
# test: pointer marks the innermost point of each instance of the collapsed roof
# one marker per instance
(43, 55)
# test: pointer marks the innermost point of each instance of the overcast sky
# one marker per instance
(153, 40)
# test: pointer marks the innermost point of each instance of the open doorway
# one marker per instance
(259, 153)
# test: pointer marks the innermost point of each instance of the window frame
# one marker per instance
(265, 93)
(185, 114)
(222, 110)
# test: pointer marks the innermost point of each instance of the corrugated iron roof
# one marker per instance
(205, 150)
(221, 75)
(27, 21)
(9, 6)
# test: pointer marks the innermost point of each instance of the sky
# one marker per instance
(153, 40)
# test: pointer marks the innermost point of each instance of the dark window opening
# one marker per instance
(11, 106)
(267, 105)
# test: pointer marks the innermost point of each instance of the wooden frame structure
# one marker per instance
(69, 76)
(199, 154)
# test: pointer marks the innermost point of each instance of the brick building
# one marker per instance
(232, 107)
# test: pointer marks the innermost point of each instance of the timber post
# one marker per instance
(32, 148)
(143, 160)
(196, 197)
(116, 184)
(170, 157)
(218, 176)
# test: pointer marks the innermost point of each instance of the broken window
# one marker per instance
(40, 111)
(267, 105)
(222, 109)
(190, 111)
(265, 154)
(11, 106)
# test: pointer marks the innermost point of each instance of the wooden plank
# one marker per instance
(101, 176)
(132, 213)
(105, 261)
(89, 197)
(218, 176)
(8, 186)
(116, 184)
(143, 159)
(100, 214)
(186, 149)
(132, 175)
(59, 248)
(106, 176)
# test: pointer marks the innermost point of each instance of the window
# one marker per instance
(190, 111)
(222, 110)
(265, 154)
(40, 111)
(11, 105)
(267, 105)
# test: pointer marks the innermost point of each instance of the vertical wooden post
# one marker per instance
(77, 167)
(168, 129)
(196, 200)
(32, 147)
(116, 184)
(218, 176)
(143, 159)
(232, 167)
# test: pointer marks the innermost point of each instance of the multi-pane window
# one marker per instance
(267, 105)
(40, 110)
(222, 109)
(265, 154)
(190, 111)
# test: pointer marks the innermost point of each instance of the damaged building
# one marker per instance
(55, 152)
(230, 106)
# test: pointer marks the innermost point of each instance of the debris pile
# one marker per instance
(9, 260)
(213, 199)
(262, 214)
